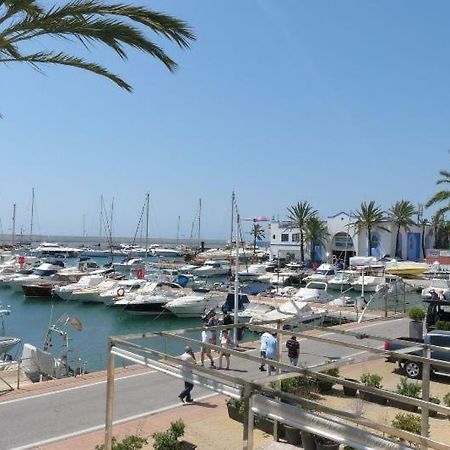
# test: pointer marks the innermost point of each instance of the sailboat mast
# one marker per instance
(178, 229)
(111, 230)
(13, 236)
(32, 216)
(199, 221)
(147, 202)
(101, 216)
(236, 275)
(232, 223)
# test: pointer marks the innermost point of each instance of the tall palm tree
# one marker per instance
(316, 233)
(298, 215)
(423, 223)
(258, 234)
(118, 26)
(401, 214)
(369, 217)
(441, 196)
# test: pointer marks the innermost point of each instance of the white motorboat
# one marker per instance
(371, 283)
(193, 305)
(129, 264)
(86, 282)
(254, 310)
(253, 272)
(7, 343)
(439, 289)
(212, 268)
(292, 313)
(122, 288)
(54, 250)
(41, 273)
(157, 250)
(153, 303)
(314, 291)
(323, 273)
(92, 294)
(343, 280)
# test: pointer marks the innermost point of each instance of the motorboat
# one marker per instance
(41, 273)
(254, 310)
(406, 268)
(193, 305)
(343, 280)
(157, 250)
(86, 282)
(212, 268)
(54, 250)
(323, 273)
(314, 291)
(438, 289)
(92, 294)
(292, 313)
(252, 272)
(120, 289)
(7, 343)
(368, 283)
(129, 264)
(153, 303)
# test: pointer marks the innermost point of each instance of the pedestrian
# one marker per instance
(212, 322)
(227, 319)
(188, 358)
(293, 350)
(271, 351)
(207, 337)
(263, 348)
(226, 343)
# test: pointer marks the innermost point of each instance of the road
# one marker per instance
(28, 422)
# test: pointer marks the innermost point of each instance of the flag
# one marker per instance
(76, 323)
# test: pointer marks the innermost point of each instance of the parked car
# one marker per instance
(413, 369)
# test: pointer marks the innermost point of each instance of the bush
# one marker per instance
(168, 440)
(327, 386)
(446, 400)
(443, 325)
(407, 422)
(416, 314)
(132, 442)
(372, 380)
(408, 388)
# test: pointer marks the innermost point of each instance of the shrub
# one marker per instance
(416, 314)
(408, 388)
(327, 386)
(132, 442)
(372, 380)
(443, 325)
(446, 399)
(407, 422)
(168, 440)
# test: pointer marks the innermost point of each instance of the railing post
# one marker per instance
(246, 399)
(18, 373)
(425, 391)
(277, 383)
(250, 418)
(109, 398)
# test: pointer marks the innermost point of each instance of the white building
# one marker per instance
(345, 241)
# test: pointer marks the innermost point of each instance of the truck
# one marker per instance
(413, 369)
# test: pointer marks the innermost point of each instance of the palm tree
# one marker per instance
(119, 26)
(441, 196)
(298, 215)
(401, 214)
(368, 218)
(258, 234)
(423, 223)
(316, 233)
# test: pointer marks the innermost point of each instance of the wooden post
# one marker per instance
(425, 420)
(109, 399)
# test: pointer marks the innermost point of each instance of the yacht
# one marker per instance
(122, 288)
(314, 291)
(129, 264)
(252, 272)
(323, 273)
(41, 273)
(92, 294)
(406, 268)
(86, 282)
(157, 250)
(370, 283)
(193, 305)
(253, 311)
(343, 280)
(54, 250)
(212, 268)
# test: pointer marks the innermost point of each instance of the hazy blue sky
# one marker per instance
(326, 101)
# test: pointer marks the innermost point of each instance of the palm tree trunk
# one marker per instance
(254, 245)
(423, 241)
(396, 243)
(369, 252)
(302, 246)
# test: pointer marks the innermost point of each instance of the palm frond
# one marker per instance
(439, 197)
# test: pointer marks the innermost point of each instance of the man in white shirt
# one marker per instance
(207, 338)
(263, 349)
(187, 358)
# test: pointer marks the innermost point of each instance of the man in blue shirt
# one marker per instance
(271, 351)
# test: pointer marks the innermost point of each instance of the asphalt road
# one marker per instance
(32, 421)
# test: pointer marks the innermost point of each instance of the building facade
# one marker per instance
(345, 241)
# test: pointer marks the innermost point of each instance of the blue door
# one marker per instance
(413, 246)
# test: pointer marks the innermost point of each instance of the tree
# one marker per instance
(258, 234)
(119, 26)
(423, 223)
(316, 233)
(441, 196)
(368, 218)
(401, 214)
(298, 215)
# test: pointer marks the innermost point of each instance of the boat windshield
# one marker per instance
(44, 272)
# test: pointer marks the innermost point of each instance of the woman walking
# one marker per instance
(226, 343)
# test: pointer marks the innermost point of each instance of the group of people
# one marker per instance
(269, 347)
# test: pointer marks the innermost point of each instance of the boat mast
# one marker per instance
(111, 230)
(178, 229)
(101, 216)
(32, 216)
(236, 274)
(232, 223)
(13, 236)
(147, 202)
(199, 221)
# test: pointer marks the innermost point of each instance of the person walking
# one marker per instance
(187, 358)
(263, 348)
(226, 343)
(207, 338)
(271, 351)
(293, 350)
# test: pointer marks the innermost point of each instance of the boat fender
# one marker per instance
(120, 292)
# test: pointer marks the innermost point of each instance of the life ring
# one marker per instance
(120, 292)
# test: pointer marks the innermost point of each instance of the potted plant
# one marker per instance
(235, 409)
(349, 391)
(326, 444)
(443, 325)
(436, 401)
(325, 387)
(416, 325)
(165, 440)
(408, 389)
(308, 440)
(372, 380)
(407, 422)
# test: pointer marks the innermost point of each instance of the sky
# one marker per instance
(331, 102)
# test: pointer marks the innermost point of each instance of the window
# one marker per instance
(295, 237)
(274, 236)
(441, 341)
(284, 237)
